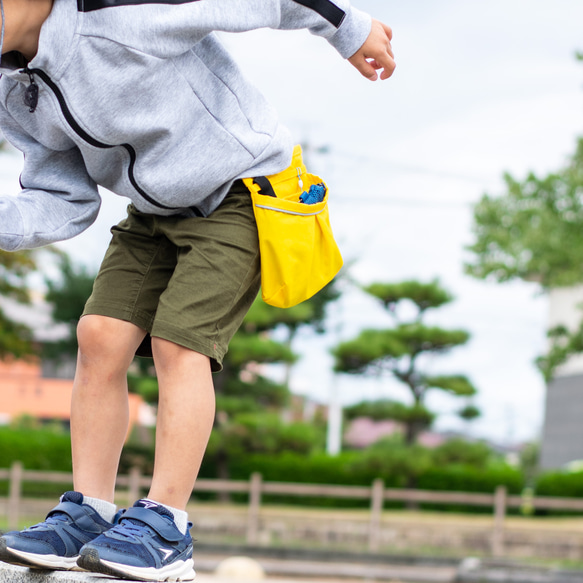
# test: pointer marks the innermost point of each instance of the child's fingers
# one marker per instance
(387, 64)
(364, 67)
(376, 53)
(368, 67)
(388, 30)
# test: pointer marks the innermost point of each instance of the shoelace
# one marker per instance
(131, 530)
(53, 519)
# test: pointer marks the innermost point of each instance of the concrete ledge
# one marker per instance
(280, 571)
(13, 574)
(473, 570)
(292, 571)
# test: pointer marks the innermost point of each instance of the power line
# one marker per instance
(410, 202)
(411, 169)
(326, 150)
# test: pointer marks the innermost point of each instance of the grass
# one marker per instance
(574, 523)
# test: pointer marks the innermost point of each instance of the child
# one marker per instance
(140, 97)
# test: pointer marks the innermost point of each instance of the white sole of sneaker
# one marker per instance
(177, 571)
(47, 561)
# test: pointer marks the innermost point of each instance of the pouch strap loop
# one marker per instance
(265, 186)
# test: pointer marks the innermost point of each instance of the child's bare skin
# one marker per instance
(24, 19)
(190, 236)
(376, 53)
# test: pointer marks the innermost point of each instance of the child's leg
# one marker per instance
(186, 410)
(192, 297)
(99, 408)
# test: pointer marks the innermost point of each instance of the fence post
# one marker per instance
(376, 511)
(14, 495)
(134, 478)
(254, 504)
(499, 516)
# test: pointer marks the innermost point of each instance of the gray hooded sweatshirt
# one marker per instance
(139, 96)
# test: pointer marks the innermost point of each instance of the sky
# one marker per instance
(480, 89)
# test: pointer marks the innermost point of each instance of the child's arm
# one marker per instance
(165, 30)
(58, 201)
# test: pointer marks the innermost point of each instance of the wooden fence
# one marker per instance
(134, 483)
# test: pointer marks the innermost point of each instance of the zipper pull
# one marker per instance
(300, 181)
(31, 92)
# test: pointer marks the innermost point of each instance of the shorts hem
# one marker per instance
(120, 312)
(167, 331)
(159, 329)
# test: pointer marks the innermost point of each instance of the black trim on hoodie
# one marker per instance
(92, 141)
(326, 9)
(89, 5)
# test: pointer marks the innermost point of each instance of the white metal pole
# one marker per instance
(334, 435)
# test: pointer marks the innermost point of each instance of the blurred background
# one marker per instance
(455, 187)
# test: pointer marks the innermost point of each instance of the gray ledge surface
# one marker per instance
(471, 570)
(13, 574)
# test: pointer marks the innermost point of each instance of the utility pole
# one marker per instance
(334, 429)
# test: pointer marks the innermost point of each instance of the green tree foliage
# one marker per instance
(424, 296)
(396, 351)
(564, 343)
(469, 412)
(393, 456)
(454, 465)
(246, 433)
(534, 232)
(387, 409)
(560, 483)
(468, 453)
(45, 448)
(15, 269)
(249, 404)
(67, 295)
(390, 455)
(245, 397)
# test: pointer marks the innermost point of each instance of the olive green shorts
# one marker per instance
(187, 280)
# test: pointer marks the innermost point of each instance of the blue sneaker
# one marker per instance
(55, 543)
(146, 545)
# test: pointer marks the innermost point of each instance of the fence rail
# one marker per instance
(255, 488)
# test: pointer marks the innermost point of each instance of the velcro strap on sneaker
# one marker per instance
(167, 530)
(80, 514)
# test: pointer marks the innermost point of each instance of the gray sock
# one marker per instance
(104, 508)
(180, 516)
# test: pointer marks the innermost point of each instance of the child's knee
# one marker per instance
(103, 337)
(168, 354)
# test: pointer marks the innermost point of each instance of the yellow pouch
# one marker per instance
(299, 255)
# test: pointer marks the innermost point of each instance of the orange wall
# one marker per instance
(24, 391)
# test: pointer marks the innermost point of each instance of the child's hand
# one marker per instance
(375, 53)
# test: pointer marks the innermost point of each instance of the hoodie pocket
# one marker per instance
(229, 100)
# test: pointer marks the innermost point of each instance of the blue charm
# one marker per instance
(316, 194)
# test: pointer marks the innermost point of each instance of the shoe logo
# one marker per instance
(148, 504)
(167, 552)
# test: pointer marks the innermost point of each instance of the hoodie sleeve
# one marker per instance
(167, 28)
(58, 199)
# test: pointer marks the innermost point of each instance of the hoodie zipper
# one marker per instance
(31, 100)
